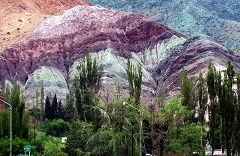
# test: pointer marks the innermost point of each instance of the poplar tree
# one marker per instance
(134, 76)
(202, 106)
(69, 108)
(211, 75)
(20, 118)
(87, 85)
(42, 100)
(130, 76)
(228, 109)
(214, 116)
(37, 102)
(236, 134)
(186, 90)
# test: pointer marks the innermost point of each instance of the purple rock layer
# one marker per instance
(194, 55)
(61, 40)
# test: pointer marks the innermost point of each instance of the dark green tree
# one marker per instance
(42, 100)
(236, 132)
(48, 109)
(61, 114)
(186, 90)
(211, 75)
(54, 107)
(69, 108)
(228, 109)
(202, 105)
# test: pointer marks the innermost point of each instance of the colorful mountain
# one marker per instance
(216, 18)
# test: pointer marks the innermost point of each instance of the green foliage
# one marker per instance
(134, 76)
(54, 110)
(4, 123)
(211, 76)
(185, 140)
(54, 107)
(202, 104)
(186, 90)
(174, 113)
(42, 100)
(87, 84)
(48, 109)
(57, 128)
(36, 113)
(21, 120)
(70, 109)
(17, 146)
(181, 137)
(78, 136)
(54, 147)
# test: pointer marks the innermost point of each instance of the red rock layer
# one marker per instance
(194, 55)
(60, 40)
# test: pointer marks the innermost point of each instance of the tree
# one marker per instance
(186, 90)
(21, 121)
(37, 102)
(48, 109)
(79, 134)
(228, 109)
(4, 123)
(236, 133)
(185, 140)
(61, 114)
(211, 75)
(54, 147)
(202, 105)
(87, 85)
(57, 128)
(54, 107)
(134, 76)
(180, 135)
(42, 100)
(69, 108)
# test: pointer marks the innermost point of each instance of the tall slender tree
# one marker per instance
(186, 90)
(69, 108)
(54, 107)
(87, 85)
(134, 76)
(48, 109)
(42, 99)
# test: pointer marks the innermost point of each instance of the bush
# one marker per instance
(18, 145)
(57, 128)
(54, 147)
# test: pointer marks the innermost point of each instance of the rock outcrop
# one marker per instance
(53, 82)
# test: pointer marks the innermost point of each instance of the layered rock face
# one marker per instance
(112, 35)
(18, 18)
(53, 82)
(194, 55)
(216, 18)
(52, 52)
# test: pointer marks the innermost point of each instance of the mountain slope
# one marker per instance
(216, 18)
(59, 42)
(18, 18)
